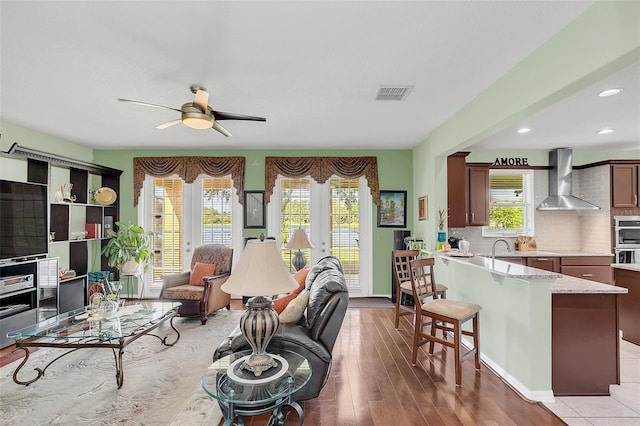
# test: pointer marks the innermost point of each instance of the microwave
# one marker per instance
(627, 255)
(627, 232)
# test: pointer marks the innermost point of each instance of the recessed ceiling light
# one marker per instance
(524, 130)
(609, 92)
(605, 131)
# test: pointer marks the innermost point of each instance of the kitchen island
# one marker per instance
(627, 275)
(539, 330)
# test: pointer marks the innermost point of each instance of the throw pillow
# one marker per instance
(201, 270)
(281, 302)
(295, 309)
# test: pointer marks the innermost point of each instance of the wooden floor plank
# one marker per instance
(372, 382)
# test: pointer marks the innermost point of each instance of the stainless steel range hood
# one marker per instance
(560, 197)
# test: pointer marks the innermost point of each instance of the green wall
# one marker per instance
(603, 40)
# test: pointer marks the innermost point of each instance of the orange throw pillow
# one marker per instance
(281, 302)
(201, 270)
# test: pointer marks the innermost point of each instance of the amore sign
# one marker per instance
(504, 161)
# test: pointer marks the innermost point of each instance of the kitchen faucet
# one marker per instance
(493, 248)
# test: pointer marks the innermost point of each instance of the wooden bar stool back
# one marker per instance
(402, 271)
(444, 314)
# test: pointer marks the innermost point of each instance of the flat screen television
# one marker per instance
(23, 220)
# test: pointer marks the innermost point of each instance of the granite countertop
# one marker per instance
(544, 253)
(627, 266)
(572, 285)
(560, 284)
(502, 268)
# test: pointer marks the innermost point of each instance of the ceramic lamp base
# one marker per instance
(258, 325)
(299, 261)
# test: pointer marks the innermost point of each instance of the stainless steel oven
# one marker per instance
(627, 239)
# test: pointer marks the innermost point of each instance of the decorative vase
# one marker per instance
(442, 238)
(109, 307)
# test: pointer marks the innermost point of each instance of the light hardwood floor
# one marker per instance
(372, 382)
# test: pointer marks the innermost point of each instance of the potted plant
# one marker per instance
(129, 248)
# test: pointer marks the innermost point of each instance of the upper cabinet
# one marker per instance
(457, 190)
(478, 199)
(624, 185)
(467, 192)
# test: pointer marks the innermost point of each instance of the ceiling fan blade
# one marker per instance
(219, 115)
(201, 99)
(168, 124)
(217, 126)
(147, 104)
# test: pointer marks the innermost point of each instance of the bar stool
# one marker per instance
(444, 314)
(402, 271)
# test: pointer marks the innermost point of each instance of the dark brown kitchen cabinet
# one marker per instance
(593, 268)
(624, 185)
(546, 263)
(457, 190)
(478, 201)
(585, 348)
(629, 304)
(467, 192)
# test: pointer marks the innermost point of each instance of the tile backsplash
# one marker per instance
(584, 231)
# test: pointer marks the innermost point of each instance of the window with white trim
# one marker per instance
(511, 208)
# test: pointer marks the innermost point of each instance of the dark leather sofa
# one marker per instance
(315, 334)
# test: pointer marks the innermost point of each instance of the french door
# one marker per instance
(335, 215)
(184, 216)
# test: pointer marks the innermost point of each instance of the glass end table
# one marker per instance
(240, 393)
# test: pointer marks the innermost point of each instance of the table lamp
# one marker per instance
(299, 241)
(260, 272)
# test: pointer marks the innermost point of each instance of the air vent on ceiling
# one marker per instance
(393, 93)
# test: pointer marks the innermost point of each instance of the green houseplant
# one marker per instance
(129, 248)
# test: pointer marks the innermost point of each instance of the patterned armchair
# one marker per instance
(201, 300)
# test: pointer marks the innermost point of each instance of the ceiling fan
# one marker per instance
(197, 114)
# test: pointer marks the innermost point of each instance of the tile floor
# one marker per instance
(622, 408)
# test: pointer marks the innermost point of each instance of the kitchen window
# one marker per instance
(511, 208)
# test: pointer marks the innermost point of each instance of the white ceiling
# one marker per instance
(312, 68)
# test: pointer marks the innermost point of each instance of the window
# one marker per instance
(184, 216)
(510, 203)
(295, 196)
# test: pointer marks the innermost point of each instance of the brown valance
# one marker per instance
(188, 168)
(321, 169)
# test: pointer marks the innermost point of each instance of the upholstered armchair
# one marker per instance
(199, 289)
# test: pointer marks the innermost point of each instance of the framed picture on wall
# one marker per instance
(422, 208)
(254, 209)
(392, 211)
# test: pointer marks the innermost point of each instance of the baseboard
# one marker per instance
(522, 390)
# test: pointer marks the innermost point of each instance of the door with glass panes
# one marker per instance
(184, 216)
(335, 215)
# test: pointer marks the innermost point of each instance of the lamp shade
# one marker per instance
(260, 271)
(299, 240)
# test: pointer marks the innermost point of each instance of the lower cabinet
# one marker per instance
(550, 264)
(629, 304)
(593, 268)
(584, 344)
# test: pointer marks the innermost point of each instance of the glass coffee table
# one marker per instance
(81, 329)
(240, 393)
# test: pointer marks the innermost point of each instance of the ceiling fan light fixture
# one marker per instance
(194, 118)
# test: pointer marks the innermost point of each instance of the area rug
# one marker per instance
(161, 384)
